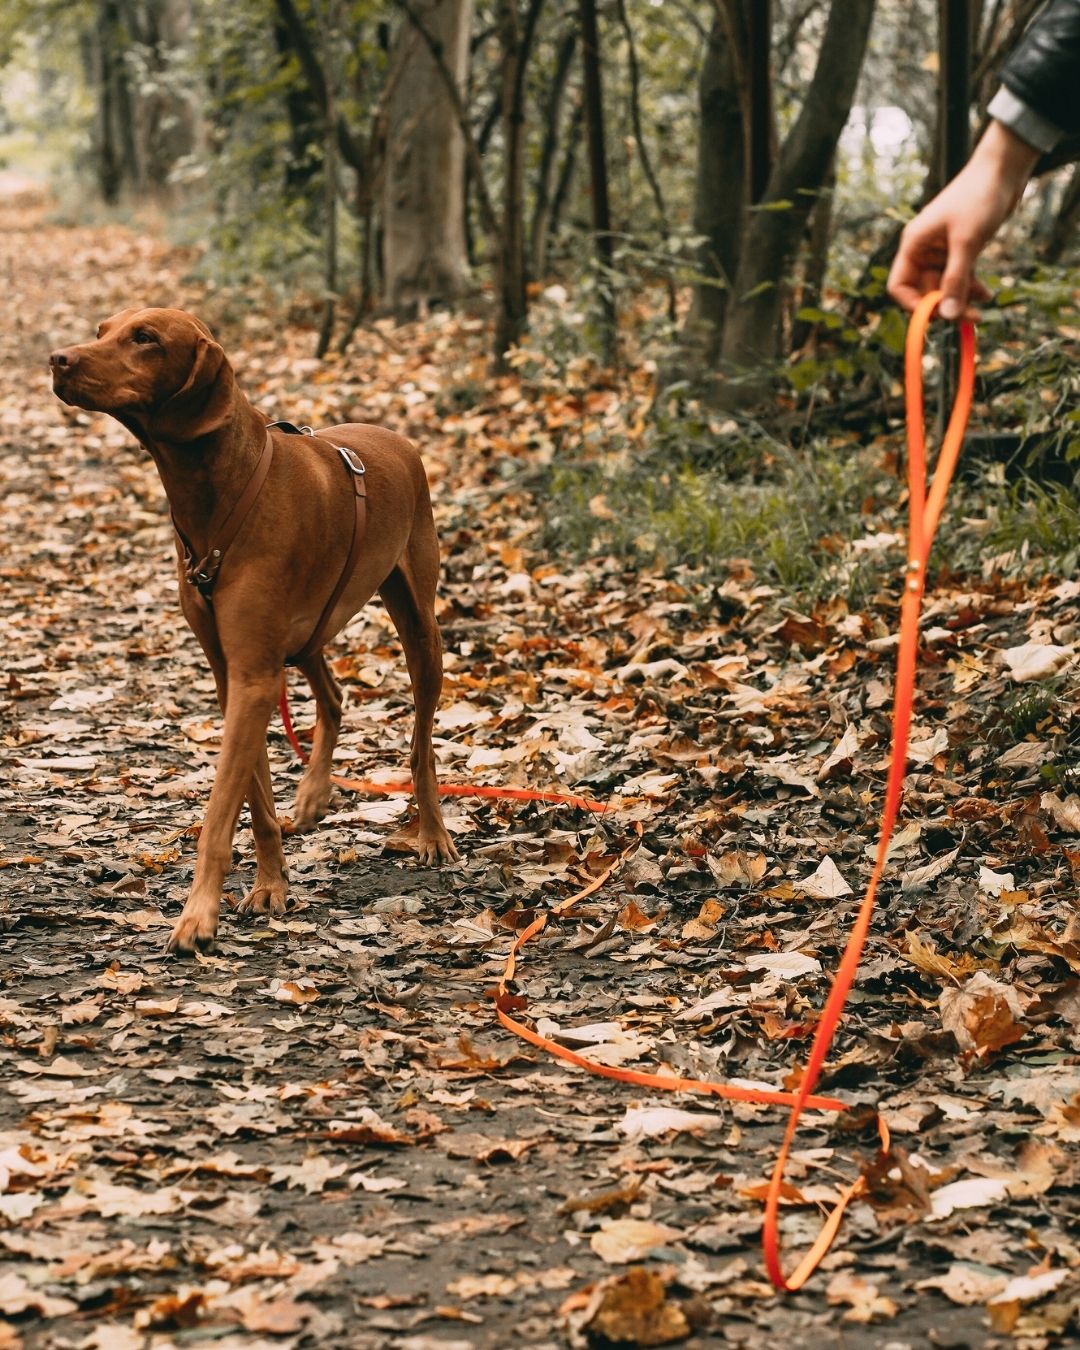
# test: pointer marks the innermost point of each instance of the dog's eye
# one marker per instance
(142, 337)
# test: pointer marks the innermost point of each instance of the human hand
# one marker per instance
(939, 248)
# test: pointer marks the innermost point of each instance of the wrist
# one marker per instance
(1006, 155)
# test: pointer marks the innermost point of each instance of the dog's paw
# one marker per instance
(195, 930)
(312, 801)
(265, 897)
(436, 847)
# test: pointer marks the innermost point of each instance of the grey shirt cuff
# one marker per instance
(1022, 119)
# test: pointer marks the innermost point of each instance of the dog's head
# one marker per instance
(158, 370)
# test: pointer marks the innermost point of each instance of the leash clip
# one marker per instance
(355, 466)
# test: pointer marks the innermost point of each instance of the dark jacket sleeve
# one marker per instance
(1044, 69)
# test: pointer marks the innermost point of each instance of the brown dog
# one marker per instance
(298, 553)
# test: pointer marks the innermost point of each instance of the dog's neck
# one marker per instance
(204, 478)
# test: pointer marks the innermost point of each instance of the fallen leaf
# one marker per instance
(977, 1193)
(984, 1014)
(634, 1309)
(865, 1304)
(1035, 660)
(787, 965)
(825, 883)
(620, 1241)
(649, 1122)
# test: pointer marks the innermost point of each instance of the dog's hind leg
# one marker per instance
(271, 888)
(409, 596)
(313, 794)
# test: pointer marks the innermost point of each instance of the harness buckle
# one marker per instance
(355, 466)
(291, 428)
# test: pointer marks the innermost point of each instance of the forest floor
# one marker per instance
(319, 1135)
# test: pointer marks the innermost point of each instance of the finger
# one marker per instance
(957, 278)
(916, 268)
(908, 283)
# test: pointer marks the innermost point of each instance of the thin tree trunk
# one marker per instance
(511, 313)
(350, 149)
(545, 178)
(719, 198)
(759, 102)
(164, 117)
(106, 150)
(817, 256)
(565, 180)
(598, 174)
(305, 118)
(424, 257)
(642, 146)
(329, 36)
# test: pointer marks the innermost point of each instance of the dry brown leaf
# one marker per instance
(634, 1309)
(865, 1304)
(620, 1241)
(984, 1015)
(923, 957)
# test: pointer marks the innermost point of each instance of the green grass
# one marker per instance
(1040, 524)
(791, 528)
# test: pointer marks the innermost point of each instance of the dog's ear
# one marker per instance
(204, 402)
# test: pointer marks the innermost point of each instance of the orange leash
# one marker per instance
(923, 514)
(368, 788)
(506, 1002)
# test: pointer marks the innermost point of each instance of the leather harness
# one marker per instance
(201, 574)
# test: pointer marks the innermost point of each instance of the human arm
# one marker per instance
(1039, 99)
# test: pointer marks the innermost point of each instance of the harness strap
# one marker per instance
(318, 636)
(203, 574)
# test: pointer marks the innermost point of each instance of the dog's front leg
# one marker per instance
(271, 876)
(250, 701)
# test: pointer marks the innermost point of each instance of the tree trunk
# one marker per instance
(644, 157)
(167, 116)
(598, 173)
(424, 258)
(752, 330)
(329, 36)
(545, 178)
(115, 152)
(565, 179)
(819, 236)
(510, 272)
(305, 120)
(719, 197)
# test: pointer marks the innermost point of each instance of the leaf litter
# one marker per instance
(317, 1135)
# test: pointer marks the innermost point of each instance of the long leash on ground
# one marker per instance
(924, 512)
(371, 789)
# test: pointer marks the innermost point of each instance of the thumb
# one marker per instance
(957, 277)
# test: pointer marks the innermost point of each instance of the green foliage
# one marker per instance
(1039, 526)
(790, 523)
(1026, 710)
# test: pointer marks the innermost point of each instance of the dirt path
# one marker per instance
(317, 1136)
